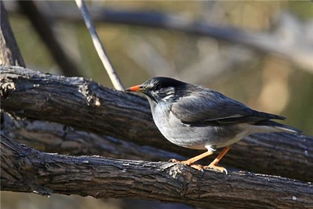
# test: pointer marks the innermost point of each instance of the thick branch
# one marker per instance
(26, 170)
(9, 51)
(88, 106)
(54, 137)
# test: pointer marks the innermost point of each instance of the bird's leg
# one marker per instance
(194, 159)
(213, 164)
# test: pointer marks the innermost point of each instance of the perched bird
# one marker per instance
(200, 118)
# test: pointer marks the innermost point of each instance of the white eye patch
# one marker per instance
(169, 96)
(167, 93)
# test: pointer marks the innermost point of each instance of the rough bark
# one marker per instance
(24, 169)
(58, 138)
(9, 51)
(88, 106)
(27, 170)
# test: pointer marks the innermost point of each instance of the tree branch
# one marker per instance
(99, 46)
(42, 26)
(26, 170)
(90, 107)
(9, 51)
(58, 138)
(296, 49)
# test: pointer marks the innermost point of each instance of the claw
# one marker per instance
(197, 167)
(186, 162)
(216, 168)
(174, 161)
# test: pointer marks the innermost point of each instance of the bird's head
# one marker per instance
(159, 88)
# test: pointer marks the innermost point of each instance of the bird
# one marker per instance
(201, 118)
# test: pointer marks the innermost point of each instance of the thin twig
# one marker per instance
(296, 49)
(99, 46)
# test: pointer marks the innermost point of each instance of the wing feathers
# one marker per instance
(205, 107)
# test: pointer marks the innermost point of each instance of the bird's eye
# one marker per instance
(156, 87)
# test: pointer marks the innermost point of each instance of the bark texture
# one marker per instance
(27, 170)
(58, 138)
(88, 106)
(9, 51)
(116, 124)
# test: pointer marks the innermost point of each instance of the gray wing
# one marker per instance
(211, 107)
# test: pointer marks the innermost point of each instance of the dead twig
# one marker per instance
(99, 47)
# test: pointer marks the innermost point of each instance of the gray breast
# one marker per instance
(194, 137)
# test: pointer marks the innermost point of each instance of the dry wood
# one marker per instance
(84, 104)
(9, 51)
(99, 46)
(58, 138)
(88, 106)
(27, 170)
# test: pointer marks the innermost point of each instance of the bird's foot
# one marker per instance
(186, 162)
(216, 168)
(174, 161)
(197, 167)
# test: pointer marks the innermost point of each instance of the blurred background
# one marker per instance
(260, 53)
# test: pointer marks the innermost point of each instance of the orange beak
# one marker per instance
(136, 88)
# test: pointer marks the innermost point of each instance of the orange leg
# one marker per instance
(213, 164)
(194, 159)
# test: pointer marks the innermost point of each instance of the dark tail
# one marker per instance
(280, 127)
(270, 116)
